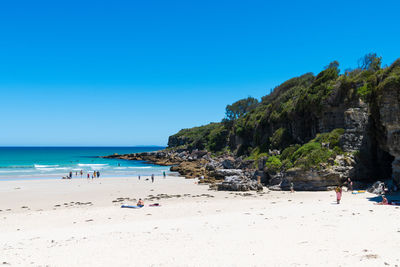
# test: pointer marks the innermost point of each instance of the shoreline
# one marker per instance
(193, 226)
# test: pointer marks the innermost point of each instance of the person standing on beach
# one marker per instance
(81, 173)
(164, 174)
(338, 194)
(139, 177)
(88, 176)
(94, 174)
(349, 184)
(291, 187)
(152, 178)
(70, 175)
(98, 174)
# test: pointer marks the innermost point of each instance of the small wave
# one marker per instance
(147, 167)
(52, 169)
(45, 166)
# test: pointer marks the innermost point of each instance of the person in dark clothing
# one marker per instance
(152, 178)
(349, 184)
(98, 174)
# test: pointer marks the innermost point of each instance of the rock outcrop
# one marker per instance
(224, 173)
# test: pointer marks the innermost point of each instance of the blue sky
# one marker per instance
(135, 72)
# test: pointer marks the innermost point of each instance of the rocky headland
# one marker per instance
(311, 132)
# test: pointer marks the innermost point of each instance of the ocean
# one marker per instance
(56, 162)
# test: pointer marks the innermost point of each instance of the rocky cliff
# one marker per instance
(315, 131)
(312, 132)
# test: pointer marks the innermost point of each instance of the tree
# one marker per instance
(240, 108)
(370, 62)
(333, 65)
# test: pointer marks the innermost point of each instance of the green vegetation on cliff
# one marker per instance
(297, 117)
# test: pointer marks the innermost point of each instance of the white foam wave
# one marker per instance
(52, 169)
(45, 166)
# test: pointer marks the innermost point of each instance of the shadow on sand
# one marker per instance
(391, 197)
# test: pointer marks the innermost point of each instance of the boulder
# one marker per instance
(222, 173)
(377, 188)
(238, 183)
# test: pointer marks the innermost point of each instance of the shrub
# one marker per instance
(273, 164)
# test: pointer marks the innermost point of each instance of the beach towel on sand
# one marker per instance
(131, 207)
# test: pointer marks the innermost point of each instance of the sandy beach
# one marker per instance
(79, 222)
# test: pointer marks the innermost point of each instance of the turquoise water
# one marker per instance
(56, 162)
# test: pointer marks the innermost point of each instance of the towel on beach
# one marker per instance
(131, 207)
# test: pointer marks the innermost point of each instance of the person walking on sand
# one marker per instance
(152, 178)
(349, 184)
(338, 194)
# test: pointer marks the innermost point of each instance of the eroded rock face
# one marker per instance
(389, 122)
(355, 125)
(325, 178)
(312, 180)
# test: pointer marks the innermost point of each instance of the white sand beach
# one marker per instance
(76, 223)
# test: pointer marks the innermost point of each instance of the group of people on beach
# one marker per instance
(349, 184)
(94, 174)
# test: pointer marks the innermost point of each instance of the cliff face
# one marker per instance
(284, 130)
(387, 118)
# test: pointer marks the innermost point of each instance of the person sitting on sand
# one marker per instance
(384, 201)
(338, 194)
(140, 203)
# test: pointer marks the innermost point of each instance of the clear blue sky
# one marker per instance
(134, 72)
